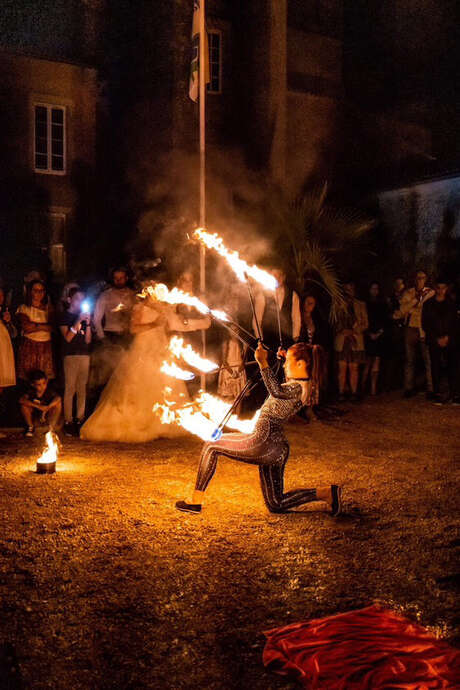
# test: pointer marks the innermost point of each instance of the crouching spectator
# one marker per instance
(75, 327)
(40, 403)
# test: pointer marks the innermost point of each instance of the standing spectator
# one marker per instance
(289, 313)
(36, 318)
(75, 327)
(7, 332)
(395, 339)
(439, 321)
(377, 314)
(112, 314)
(40, 402)
(232, 374)
(349, 342)
(315, 331)
(412, 302)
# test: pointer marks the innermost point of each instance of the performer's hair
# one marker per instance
(314, 357)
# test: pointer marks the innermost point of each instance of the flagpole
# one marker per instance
(202, 101)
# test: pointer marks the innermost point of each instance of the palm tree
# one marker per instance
(318, 237)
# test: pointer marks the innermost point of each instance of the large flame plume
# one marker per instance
(161, 293)
(202, 416)
(50, 453)
(238, 265)
(188, 354)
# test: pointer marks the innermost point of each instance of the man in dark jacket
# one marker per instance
(439, 321)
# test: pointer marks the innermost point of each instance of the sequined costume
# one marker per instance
(266, 447)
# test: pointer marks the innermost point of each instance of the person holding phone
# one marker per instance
(75, 328)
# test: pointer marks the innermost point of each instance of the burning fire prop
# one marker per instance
(202, 416)
(188, 354)
(46, 463)
(240, 267)
(161, 293)
(171, 369)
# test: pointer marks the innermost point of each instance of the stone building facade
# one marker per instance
(49, 92)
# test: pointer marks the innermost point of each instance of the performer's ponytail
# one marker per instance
(314, 357)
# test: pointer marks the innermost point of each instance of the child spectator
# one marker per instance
(40, 402)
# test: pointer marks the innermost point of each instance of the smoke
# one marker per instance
(170, 213)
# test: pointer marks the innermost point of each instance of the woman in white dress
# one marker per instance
(124, 412)
(7, 331)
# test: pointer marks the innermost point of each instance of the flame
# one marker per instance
(238, 265)
(50, 452)
(171, 369)
(202, 416)
(216, 408)
(188, 354)
(119, 307)
(161, 293)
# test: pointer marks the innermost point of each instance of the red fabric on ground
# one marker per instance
(369, 649)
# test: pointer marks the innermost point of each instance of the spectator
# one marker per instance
(36, 317)
(349, 342)
(112, 314)
(377, 314)
(412, 302)
(75, 327)
(232, 373)
(40, 402)
(7, 332)
(439, 321)
(314, 330)
(63, 303)
(395, 339)
(289, 313)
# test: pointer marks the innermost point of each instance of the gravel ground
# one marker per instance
(104, 585)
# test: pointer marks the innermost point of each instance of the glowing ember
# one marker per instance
(176, 372)
(188, 354)
(175, 296)
(202, 416)
(50, 452)
(238, 265)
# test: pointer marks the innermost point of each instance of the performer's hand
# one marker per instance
(261, 355)
(281, 354)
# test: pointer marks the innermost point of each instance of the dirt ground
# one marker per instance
(104, 585)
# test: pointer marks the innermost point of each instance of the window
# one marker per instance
(215, 62)
(49, 139)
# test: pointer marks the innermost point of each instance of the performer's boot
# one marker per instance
(194, 506)
(333, 497)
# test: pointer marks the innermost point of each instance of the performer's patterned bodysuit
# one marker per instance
(266, 447)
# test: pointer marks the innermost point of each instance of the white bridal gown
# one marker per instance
(124, 411)
(7, 369)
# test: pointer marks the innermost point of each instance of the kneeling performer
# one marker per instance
(267, 445)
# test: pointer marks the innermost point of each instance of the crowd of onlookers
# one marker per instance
(49, 353)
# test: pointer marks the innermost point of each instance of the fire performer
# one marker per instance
(267, 446)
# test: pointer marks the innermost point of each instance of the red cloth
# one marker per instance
(369, 649)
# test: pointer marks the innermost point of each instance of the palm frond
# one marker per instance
(323, 273)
